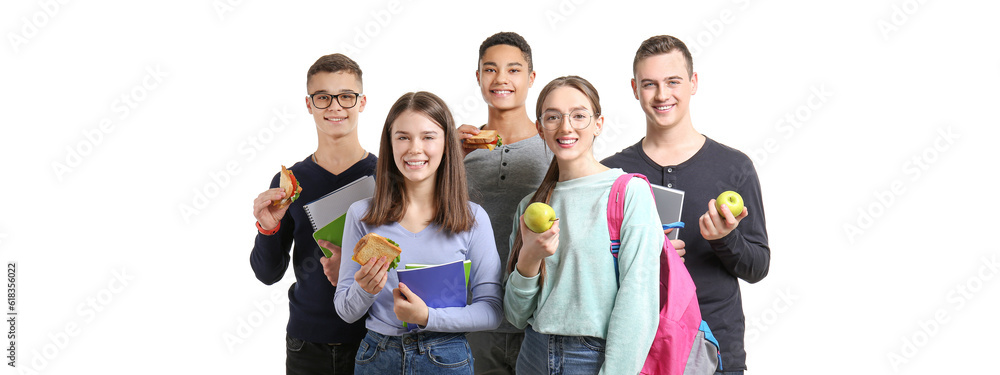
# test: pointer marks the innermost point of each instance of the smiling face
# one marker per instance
(565, 141)
(664, 89)
(335, 121)
(504, 77)
(417, 146)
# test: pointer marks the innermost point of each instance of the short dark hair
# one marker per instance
(334, 63)
(507, 38)
(661, 45)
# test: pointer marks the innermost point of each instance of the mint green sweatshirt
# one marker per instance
(579, 296)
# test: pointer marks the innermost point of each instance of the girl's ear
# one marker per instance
(599, 124)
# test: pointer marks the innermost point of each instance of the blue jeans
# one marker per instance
(729, 373)
(433, 353)
(543, 354)
(303, 357)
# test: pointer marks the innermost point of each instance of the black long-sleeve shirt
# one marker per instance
(312, 316)
(714, 265)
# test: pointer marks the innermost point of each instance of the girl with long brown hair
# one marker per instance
(421, 203)
(562, 282)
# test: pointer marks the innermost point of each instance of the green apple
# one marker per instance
(731, 199)
(539, 217)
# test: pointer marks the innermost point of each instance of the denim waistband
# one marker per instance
(410, 341)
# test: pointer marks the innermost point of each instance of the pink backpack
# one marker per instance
(683, 343)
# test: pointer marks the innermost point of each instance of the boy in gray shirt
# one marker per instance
(499, 178)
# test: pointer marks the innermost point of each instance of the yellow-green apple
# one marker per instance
(539, 217)
(731, 199)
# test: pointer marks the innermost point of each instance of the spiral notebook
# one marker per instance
(328, 213)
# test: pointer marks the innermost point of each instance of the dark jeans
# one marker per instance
(729, 373)
(495, 352)
(306, 358)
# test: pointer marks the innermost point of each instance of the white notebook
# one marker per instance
(327, 213)
(668, 205)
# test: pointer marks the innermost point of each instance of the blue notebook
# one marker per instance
(439, 286)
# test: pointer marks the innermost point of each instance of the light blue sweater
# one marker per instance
(579, 296)
(429, 246)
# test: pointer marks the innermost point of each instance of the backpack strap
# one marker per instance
(616, 213)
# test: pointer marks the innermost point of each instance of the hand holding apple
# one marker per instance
(535, 247)
(715, 224)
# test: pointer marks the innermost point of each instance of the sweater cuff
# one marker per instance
(727, 242)
(524, 284)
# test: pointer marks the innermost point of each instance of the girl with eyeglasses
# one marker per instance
(562, 282)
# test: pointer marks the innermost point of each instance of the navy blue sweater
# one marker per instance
(714, 265)
(312, 316)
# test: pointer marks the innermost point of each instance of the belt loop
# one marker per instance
(383, 341)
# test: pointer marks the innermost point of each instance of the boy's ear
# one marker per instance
(531, 79)
(634, 92)
(362, 101)
(694, 83)
(309, 106)
(477, 77)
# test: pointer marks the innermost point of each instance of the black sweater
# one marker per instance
(312, 316)
(714, 265)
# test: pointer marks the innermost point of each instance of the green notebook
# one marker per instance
(329, 213)
(467, 264)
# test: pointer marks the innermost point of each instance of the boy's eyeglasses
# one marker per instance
(322, 100)
(579, 119)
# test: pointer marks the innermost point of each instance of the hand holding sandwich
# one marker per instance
(373, 275)
(271, 205)
(473, 138)
(267, 214)
(375, 254)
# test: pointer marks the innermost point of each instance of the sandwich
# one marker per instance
(291, 187)
(373, 246)
(488, 139)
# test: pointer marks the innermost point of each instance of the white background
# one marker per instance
(83, 205)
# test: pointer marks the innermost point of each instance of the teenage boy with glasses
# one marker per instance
(498, 179)
(317, 340)
(719, 249)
